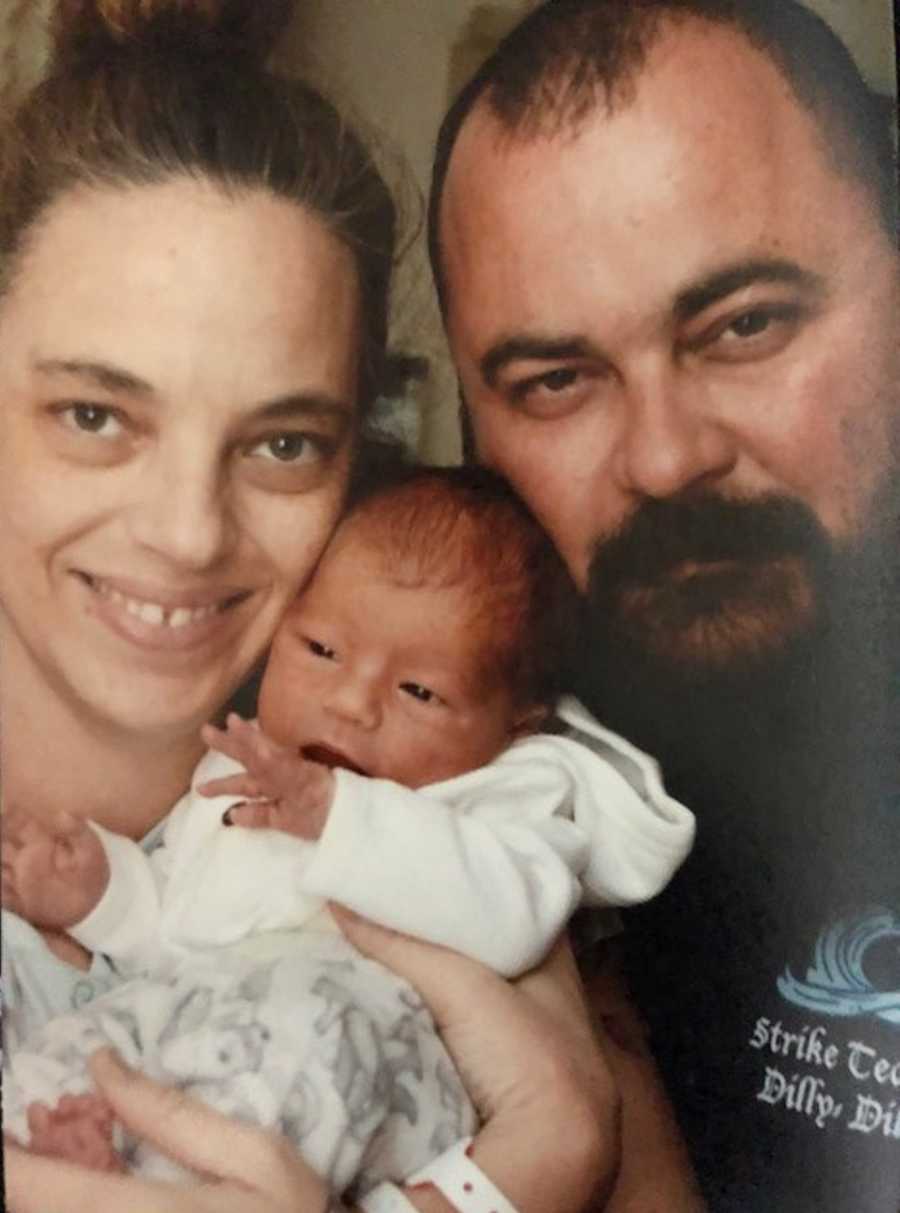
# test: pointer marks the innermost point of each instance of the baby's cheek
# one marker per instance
(283, 709)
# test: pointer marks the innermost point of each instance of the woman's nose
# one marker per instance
(183, 513)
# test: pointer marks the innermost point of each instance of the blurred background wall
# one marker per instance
(394, 65)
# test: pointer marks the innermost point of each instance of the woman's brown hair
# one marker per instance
(142, 91)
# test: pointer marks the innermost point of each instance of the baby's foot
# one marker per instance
(52, 875)
(79, 1129)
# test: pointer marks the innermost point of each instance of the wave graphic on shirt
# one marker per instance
(856, 970)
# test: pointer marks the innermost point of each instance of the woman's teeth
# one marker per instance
(156, 614)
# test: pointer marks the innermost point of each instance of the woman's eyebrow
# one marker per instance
(283, 408)
(100, 374)
(304, 405)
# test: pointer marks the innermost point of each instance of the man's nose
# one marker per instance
(183, 511)
(352, 696)
(671, 443)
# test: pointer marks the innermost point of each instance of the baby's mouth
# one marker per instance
(327, 757)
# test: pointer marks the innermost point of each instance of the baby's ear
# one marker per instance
(529, 720)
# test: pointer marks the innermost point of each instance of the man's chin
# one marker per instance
(717, 620)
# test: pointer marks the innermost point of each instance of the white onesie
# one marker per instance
(491, 863)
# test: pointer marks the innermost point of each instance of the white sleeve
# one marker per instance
(125, 922)
(206, 885)
(639, 835)
(227, 883)
(487, 864)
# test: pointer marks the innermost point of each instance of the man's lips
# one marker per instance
(702, 568)
(328, 757)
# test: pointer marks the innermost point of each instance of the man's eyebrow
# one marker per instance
(722, 283)
(532, 347)
(100, 374)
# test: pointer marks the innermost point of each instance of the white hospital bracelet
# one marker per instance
(386, 1198)
(462, 1181)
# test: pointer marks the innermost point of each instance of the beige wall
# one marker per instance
(388, 62)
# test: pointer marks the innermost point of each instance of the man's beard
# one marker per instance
(709, 584)
(710, 621)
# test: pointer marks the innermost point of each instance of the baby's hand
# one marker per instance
(289, 792)
(79, 1129)
(52, 876)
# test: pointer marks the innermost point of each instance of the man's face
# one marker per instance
(676, 334)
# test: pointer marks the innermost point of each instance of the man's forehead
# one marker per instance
(696, 75)
(712, 150)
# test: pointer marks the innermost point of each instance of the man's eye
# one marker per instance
(552, 382)
(320, 650)
(420, 693)
(756, 333)
(289, 448)
(751, 324)
(92, 419)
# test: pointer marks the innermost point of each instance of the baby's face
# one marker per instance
(381, 678)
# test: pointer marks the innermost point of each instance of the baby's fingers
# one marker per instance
(243, 742)
(229, 743)
(239, 784)
(260, 815)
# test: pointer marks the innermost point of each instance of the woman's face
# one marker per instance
(178, 371)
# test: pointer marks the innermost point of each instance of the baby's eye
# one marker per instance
(421, 693)
(92, 419)
(320, 650)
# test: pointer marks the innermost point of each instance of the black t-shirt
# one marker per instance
(778, 1035)
(769, 970)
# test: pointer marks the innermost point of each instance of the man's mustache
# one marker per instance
(663, 535)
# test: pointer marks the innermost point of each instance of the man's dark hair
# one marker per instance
(570, 56)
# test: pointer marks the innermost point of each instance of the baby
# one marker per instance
(397, 767)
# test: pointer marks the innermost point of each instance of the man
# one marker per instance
(665, 240)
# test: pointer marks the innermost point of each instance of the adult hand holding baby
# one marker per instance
(549, 1138)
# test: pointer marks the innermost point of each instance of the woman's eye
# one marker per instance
(290, 448)
(420, 693)
(92, 419)
(320, 650)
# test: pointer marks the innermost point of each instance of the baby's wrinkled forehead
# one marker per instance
(462, 530)
(439, 552)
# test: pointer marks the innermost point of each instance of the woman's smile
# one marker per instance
(163, 618)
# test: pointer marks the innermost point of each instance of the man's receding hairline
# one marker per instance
(850, 120)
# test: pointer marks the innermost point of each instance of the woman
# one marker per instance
(196, 262)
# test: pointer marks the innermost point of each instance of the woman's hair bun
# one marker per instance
(87, 31)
